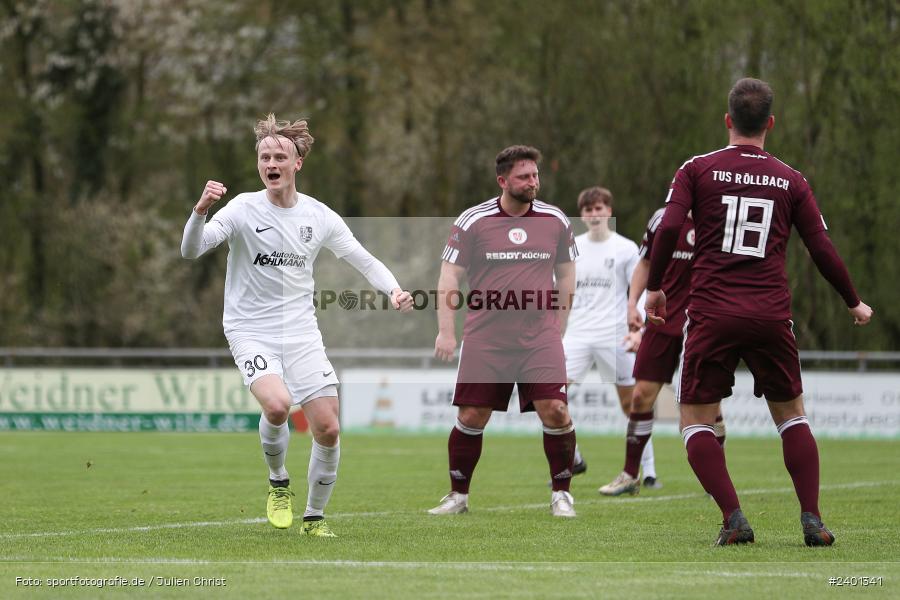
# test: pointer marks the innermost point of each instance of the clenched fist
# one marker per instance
(212, 193)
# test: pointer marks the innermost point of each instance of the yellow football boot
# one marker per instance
(278, 507)
(317, 529)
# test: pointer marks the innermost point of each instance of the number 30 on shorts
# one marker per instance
(257, 364)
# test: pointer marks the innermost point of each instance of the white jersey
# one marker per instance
(269, 282)
(603, 273)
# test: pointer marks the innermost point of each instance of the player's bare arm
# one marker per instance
(565, 285)
(637, 287)
(449, 284)
(401, 300)
(212, 193)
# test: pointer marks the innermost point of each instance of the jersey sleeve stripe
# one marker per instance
(693, 158)
(469, 216)
(656, 219)
(450, 254)
(480, 206)
(469, 211)
(543, 207)
(472, 219)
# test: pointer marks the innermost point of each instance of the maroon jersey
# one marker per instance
(510, 263)
(744, 203)
(676, 282)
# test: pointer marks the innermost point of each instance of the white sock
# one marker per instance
(274, 440)
(323, 466)
(648, 464)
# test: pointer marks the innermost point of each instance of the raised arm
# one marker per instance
(449, 299)
(199, 236)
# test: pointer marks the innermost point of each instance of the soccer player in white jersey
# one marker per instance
(598, 325)
(274, 236)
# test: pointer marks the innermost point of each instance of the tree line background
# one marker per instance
(114, 113)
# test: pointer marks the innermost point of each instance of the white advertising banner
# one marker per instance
(838, 404)
(89, 399)
(124, 390)
(417, 400)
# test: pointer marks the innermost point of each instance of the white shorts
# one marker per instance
(300, 363)
(614, 363)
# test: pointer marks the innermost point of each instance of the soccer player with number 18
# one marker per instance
(744, 202)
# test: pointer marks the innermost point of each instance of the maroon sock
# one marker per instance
(559, 446)
(707, 459)
(640, 426)
(464, 450)
(719, 429)
(801, 457)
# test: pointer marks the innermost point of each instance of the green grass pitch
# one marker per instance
(105, 505)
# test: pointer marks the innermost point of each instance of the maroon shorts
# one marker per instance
(487, 374)
(657, 356)
(715, 343)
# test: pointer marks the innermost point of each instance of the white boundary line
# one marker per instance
(753, 574)
(467, 566)
(497, 565)
(513, 507)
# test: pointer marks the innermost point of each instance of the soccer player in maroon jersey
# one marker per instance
(510, 248)
(658, 350)
(744, 203)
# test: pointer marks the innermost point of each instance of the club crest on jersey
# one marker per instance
(517, 235)
(609, 263)
(305, 233)
(690, 237)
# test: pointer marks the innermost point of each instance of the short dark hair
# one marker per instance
(593, 195)
(749, 105)
(510, 156)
